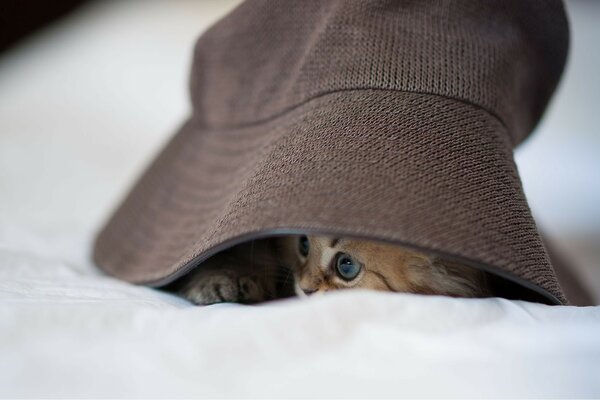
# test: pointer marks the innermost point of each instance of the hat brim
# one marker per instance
(420, 170)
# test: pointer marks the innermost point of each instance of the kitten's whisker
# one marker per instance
(287, 276)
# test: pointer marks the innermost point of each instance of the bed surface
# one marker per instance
(83, 108)
(66, 330)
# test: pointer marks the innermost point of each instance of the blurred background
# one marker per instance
(87, 99)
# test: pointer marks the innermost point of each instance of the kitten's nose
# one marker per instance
(308, 292)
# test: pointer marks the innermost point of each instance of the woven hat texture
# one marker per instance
(389, 120)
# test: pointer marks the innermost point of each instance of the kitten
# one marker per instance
(321, 264)
(303, 265)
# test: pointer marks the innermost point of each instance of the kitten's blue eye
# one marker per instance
(304, 246)
(347, 267)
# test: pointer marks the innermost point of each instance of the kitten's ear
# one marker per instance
(471, 282)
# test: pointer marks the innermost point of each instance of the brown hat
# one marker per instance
(389, 120)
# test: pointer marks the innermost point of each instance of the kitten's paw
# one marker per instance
(249, 290)
(223, 287)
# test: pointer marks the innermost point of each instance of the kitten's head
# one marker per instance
(322, 263)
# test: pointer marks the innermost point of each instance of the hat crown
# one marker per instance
(268, 56)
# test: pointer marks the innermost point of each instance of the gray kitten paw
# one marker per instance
(223, 287)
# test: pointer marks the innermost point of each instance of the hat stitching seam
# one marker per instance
(326, 93)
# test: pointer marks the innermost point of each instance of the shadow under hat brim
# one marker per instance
(420, 170)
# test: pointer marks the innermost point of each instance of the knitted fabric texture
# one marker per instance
(388, 120)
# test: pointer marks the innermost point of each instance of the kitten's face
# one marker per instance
(322, 263)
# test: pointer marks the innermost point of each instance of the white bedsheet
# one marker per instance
(67, 330)
(82, 108)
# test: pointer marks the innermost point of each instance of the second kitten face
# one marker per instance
(322, 264)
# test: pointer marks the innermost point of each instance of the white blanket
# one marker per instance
(82, 108)
(66, 330)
